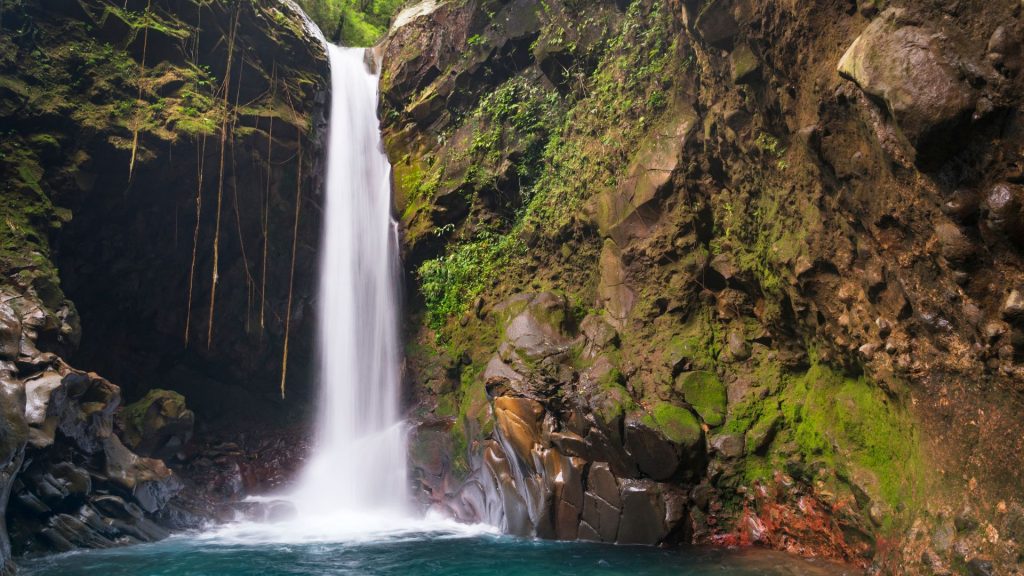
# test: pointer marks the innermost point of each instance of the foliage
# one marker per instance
(352, 22)
(621, 99)
(450, 283)
(519, 115)
(563, 150)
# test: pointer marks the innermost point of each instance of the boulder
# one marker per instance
(666, 443)
(706, 393)
(540, 328)
(87, 418)
(953, 244)
(738, 348)
(728, 446)
(44, 401)
(1012, 309)
(630, 210)
(911, 70)
(599, 334)
(601, 503)
(655, 455)
(149, 481)
(1004, 210)
(643, 514)
(746, 67)
(158, 426)
(1004, 48)
(716, 23)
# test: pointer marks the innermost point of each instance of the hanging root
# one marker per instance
(266, 203)
(138, 112)
(291, 277)
(220, 180)
(200, 164)
(249, 281)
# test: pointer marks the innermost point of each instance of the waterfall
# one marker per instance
(358, 463)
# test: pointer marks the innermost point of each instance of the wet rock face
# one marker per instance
(79, 486)
(71, 482)
(119, 209)
(108, 201)
(555, 468)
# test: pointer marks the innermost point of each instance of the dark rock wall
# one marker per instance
(131, 133)
(754, 264)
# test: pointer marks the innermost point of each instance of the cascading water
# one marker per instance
(358, 464)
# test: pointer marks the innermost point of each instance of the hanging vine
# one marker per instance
(249, 281)
(295, 243)
(266, 202)
(220, 179)
(138, 102)
(200, 169)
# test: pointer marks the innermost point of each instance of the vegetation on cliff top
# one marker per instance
(352, 22)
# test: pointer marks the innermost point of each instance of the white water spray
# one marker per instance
(358, 463)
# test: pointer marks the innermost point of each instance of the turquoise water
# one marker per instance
(414, 554)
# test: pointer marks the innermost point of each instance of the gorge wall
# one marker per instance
(161, 222)
(677, 271)
(720, 272)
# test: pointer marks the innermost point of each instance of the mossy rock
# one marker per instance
(677, 423)
(158, 425)
(706, 393)
(613, 401)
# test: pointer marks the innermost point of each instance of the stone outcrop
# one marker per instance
(760, 284)
(70, 480)
(159, 425)
(913, 71)
(547, 468)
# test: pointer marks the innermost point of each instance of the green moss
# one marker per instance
(698, 343)
(706, 393)
(446, 407)
(133, 416)
(822, 420)
(677, 423)
(622, 101)
(612, 400)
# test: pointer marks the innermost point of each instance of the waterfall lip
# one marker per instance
(312, 27)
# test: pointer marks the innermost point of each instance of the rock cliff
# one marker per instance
(721, 272)
(160, 191)
(678, 271)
